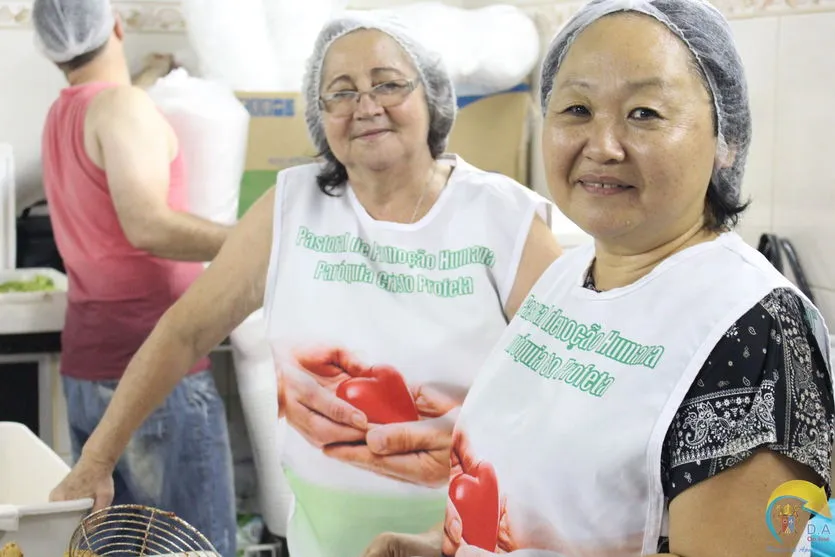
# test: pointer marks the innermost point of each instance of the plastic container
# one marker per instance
(29, 470)
(33, 312)
(8, 214)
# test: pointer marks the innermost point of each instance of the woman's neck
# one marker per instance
(402, 192)
(616, 268)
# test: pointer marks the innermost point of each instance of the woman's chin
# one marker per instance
(379, 160)
(604, 227)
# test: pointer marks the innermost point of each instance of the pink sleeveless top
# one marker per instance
(117, 293)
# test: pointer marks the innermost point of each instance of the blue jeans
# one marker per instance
(179, 460)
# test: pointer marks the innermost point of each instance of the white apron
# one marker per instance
(425, 299)
(572, 407)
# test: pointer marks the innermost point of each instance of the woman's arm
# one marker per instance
(760, 414)
(224, 295)
(541, 249)
(726, 514)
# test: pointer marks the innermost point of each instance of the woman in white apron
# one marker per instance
(655, 389)
(386, 273)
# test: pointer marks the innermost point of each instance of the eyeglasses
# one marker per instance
(387, 94)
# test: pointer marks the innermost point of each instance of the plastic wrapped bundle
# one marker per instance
(232, 43)
(258, 388)
(293, 32)
(505, 42)
(485, 50)
(212, 128)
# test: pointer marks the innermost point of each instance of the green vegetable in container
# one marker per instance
(39, 283)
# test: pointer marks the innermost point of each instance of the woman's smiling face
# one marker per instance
(628, 139)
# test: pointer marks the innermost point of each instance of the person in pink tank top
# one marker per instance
(115, 183)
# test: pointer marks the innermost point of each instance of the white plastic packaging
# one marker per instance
(212, 127)
(8, 214)
(485, 50)
(232, 43)
(263, 45)
(293, 32)
(505, 43)
(258, 389)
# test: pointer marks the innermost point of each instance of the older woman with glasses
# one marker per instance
(386, 273)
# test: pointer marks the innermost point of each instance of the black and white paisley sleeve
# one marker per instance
(766, 384)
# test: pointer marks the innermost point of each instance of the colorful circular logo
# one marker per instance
(788, 504)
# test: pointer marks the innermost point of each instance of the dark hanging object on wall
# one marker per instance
(776, 250)
(36, 242)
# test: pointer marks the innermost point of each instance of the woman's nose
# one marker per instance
(604, 144)
(367, 106)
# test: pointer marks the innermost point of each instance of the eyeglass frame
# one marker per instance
(410, 84)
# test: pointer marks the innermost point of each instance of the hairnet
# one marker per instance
(66, 29)
(437, 83)
(706, 33)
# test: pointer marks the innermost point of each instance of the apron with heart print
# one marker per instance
(377, 312)
(561, 435)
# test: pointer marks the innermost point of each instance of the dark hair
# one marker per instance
(723, 207)
(722, 211)
(82, 59)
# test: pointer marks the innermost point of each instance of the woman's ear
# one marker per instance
(118, 28)
(725, 157)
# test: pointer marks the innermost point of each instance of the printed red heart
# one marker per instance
(476, 498)
(381, 394)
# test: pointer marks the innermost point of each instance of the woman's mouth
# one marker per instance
(603, 187)
(370, 134)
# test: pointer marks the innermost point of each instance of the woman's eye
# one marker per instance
(388, 87)
(643, 113)
(577, 110)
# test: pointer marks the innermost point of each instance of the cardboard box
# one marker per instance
(491, 132)
(277, 140)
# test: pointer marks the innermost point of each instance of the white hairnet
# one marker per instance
(706, 33)
(66, 29)
(440, 94)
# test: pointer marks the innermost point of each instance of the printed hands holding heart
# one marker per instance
(474, 508)
(478, 522)
(336, 403)
(307, 397)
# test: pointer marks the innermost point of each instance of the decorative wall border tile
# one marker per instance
(550, 16)
(167, 17)
(138, 17)
(14, 14)
(733, 9)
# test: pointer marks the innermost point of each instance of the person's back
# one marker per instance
(115, 185)
(117, 292)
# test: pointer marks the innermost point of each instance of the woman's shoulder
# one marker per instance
(305, 172)
(766, 384)
(477, 183)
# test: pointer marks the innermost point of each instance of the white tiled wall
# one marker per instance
(804, 173)
(757, 40)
